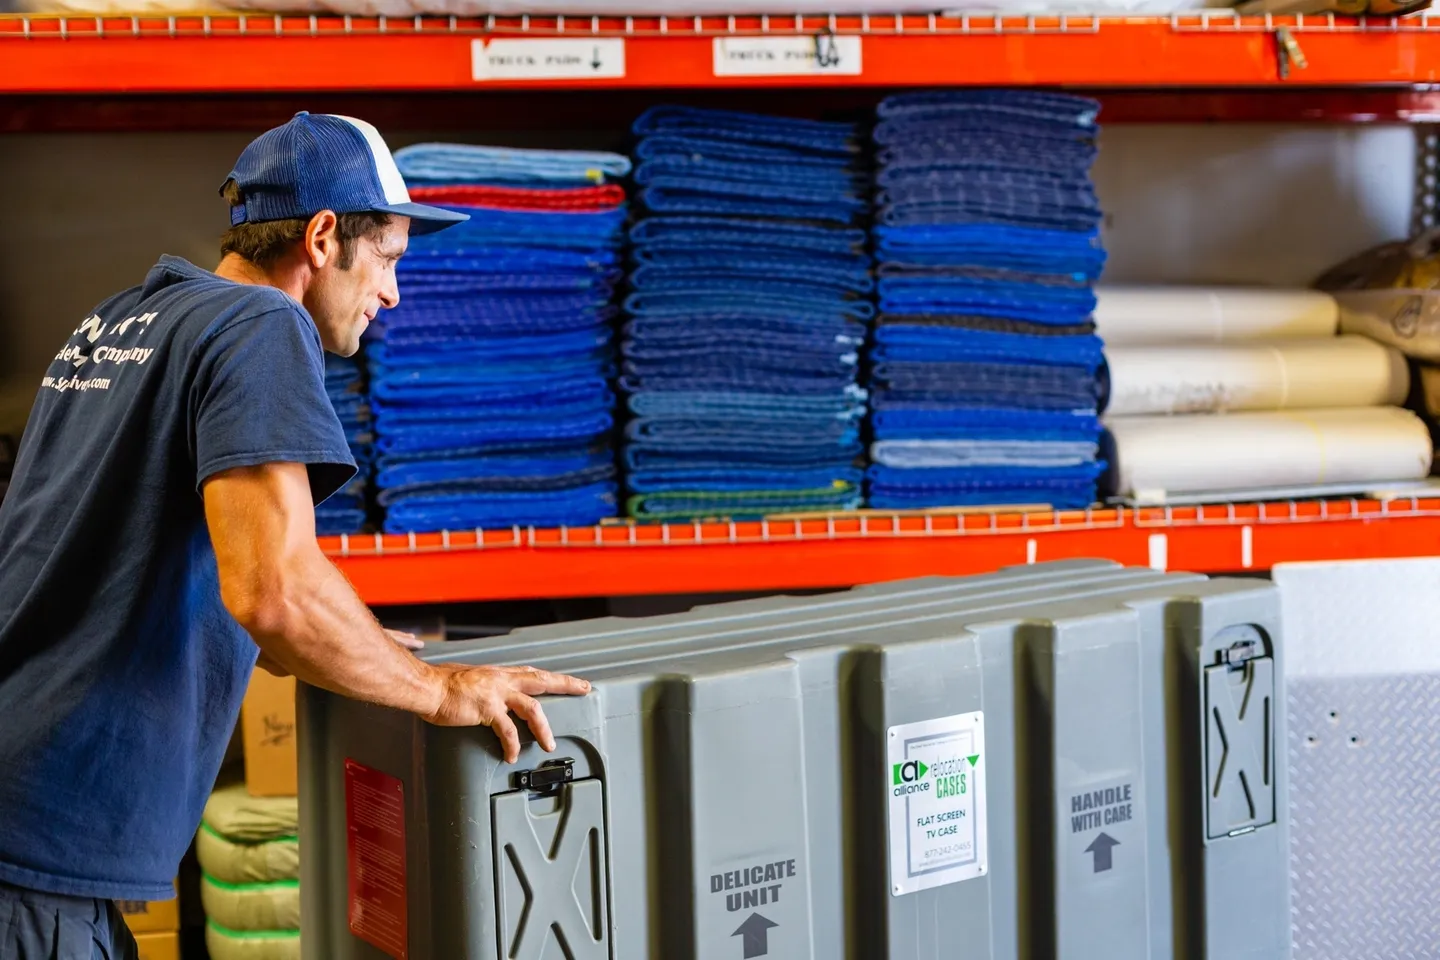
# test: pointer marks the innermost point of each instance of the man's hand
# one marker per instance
(484, 696)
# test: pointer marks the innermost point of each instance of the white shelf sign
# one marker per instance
(787, 56)
(936, 783)
(600, 58)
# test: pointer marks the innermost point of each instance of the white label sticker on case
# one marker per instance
(936, 782)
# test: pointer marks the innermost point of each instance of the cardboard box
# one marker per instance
(159, 946)
(160, 916)
(267, 720)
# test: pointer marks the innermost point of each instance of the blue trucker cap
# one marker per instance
(323, 161)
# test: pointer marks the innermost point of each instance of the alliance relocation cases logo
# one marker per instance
(949, 778)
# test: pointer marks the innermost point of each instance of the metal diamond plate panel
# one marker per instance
(1365, 815)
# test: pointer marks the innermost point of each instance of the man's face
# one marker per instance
(344, 301)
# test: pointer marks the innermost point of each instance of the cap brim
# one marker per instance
(424, 218)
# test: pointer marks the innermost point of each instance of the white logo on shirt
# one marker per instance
(93, 328)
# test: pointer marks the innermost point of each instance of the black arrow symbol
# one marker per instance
(596, 63)
(756, 931)
(1103, 847)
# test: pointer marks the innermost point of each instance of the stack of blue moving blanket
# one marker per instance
(492, 386)
(345, 511)
(983, 367)
(747, 313)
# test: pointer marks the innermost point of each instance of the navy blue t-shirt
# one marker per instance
(121, 673)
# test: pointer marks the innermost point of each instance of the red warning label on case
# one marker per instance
(375, 855)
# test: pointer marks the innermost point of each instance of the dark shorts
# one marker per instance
(44, 926)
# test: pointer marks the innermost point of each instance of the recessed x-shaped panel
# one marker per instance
(1239, 746)
(550, 873)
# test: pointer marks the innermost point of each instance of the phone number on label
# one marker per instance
(951, 850)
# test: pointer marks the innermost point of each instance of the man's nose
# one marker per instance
(390, 293)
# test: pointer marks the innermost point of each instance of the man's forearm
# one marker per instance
(316, 628)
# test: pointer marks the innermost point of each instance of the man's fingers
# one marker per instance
(529, 710)
(407, 640)
(504, 728)
(535, 682)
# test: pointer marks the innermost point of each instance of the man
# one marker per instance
(160, 528)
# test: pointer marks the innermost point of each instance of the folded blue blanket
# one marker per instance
(1037, 303)
(991, 189)
(907, 489)
(537, 393)
(899, 327)
(560, 462)
(501, 434)
(741, 303)
(454, 163)
(741, 505)
(960, 271)
(845, 406)
(944, 421)
(1061, 495)
(1077, 218)
(685, 232)
(1020, 376)
(697, 433)
(990, 153)
(774, 260)
(720, 279)
(977, 237)
(463, 369)
(966, 346)
(808, 178)
(779, 372)
(654, 146)
(541, 310)
(792, 455)
(729, 477)
(837, 331)
(837, 139)
(399, 418)
(584, 506)
(487, 226)
(500, 454)
(489, 484)
(1032, 106)
(1010, 452)
(701, 345)
(740, 381)
(672, 195)
(598, 285)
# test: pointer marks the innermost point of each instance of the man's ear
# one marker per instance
(322, 245)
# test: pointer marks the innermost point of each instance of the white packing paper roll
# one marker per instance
(1127, 316)
(1278, 375)
(1215, 453)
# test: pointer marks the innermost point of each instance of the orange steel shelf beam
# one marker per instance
(254, 53)
(844, 551)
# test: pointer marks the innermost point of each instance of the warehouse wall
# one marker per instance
(89, 213)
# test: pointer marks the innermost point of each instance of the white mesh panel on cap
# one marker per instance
(390, 180)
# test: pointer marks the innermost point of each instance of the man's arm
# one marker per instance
(307, 620)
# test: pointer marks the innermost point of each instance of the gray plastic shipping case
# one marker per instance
(1069, 760)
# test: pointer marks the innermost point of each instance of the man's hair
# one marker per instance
(265, 243)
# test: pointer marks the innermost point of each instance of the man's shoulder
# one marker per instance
(202, 300)
(210, 308)
(220, 295)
